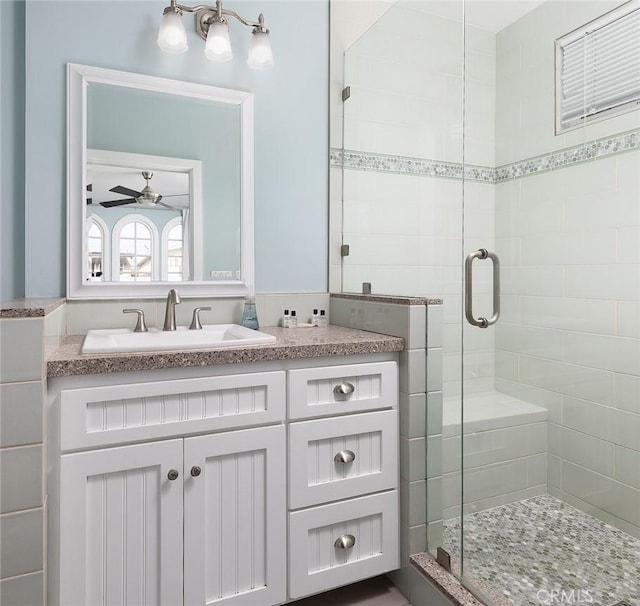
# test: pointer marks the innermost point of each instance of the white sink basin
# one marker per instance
(116, 340)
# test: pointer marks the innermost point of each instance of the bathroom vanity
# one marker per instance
(250, 476)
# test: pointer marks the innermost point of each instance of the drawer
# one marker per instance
(315, 392)
(316, 563)
(320, 453)
(98, 416)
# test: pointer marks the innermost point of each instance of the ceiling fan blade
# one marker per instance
(167, 206)
(125, 191)
(175, 195)
(110, 203)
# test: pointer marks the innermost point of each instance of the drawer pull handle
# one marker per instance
(344, 389)
(173, 474)
(195, 471)
(345, 456)
(346, 541)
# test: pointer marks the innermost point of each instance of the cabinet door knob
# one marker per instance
(344, 389)
(346, 541)
(173, 474)
(196, 471)
(345, 456)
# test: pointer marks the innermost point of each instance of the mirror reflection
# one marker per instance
(142, 224)
(137, 233)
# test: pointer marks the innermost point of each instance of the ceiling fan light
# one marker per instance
(218, 46)
(172, 37)
(260, 54)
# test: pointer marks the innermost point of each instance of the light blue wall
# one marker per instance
(291, 113)
(11, 150)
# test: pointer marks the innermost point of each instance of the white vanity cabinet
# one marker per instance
(171, 487)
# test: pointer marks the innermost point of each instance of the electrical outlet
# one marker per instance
(221, 274)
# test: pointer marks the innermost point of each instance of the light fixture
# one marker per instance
(212, 25)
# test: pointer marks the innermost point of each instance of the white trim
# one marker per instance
(155, 244)
(164, 249)
(106, 244)
(78, 78)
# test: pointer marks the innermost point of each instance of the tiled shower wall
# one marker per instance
(569, 240)
(405, 230)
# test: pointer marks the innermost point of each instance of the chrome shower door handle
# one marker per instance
(481, 254)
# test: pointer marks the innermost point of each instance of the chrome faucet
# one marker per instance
(173, 298)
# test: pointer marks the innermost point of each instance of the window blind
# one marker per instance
(598, 68)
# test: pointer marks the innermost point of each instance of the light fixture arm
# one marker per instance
(206, 14)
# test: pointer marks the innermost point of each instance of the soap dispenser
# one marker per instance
(249, 314)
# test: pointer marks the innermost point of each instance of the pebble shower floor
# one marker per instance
(530, 551)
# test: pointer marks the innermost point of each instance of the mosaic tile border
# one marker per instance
(577, 154)
(368, 161)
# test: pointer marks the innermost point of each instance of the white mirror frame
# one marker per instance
(78, 79)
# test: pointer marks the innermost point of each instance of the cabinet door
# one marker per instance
(121, 526)
(235, 518)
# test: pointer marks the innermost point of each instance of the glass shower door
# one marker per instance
(550, 424)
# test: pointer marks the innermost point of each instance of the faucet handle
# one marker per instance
(141, 325)
(195, 322)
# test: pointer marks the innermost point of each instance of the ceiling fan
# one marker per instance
(146, 197)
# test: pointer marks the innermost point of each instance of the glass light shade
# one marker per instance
(218, 46)
(260, 55)
(172, 36)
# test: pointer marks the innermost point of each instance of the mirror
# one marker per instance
(160, 187)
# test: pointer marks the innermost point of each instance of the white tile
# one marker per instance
(434, 325)
(434, 413)
(627, 466)
(434, 499)
(567, 379)
(21, 485)
(621, 282)
(434, 456)
(629, 319)
(86, 315)
(506, 364)
(537, 470)
(587, 213)
(21, 549)
(603, 352)
(413, 458)
(554, 471)
(570, 314)
(627, 392)
(417, 503)
(23, 590)
(412, 371)
(610, 424)
(434, 370)
(21, 413)
(24, 363)
(533, 281)
(528, 340)
(413, 410)
(606, 494)
(587, 451)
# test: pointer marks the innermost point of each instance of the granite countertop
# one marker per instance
(388, 299)
(29, 308)
(290, 344)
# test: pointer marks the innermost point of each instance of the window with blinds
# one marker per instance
(598, 68)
